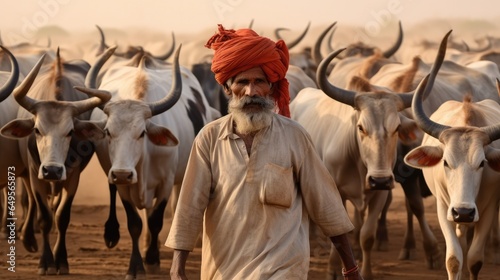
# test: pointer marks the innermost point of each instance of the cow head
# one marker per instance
(462, 153)
(128, 124)
(53, 124)
(378, 125)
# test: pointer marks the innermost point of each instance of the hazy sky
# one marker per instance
(194, 15)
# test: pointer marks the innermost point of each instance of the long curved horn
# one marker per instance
(11, 83)
(425, 123)
(173, 96)
(97, 98)
(485, 48)
(91, 78)
(169, 52)
(102, 44)
(388, 53)
(341, 95)
(21, 91)
(295, 42)
(438, 61)
(316, 54)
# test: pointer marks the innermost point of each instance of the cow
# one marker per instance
(460, 160)
(53, 141)
(356, 134)
(451, 83)
(11, 158)
(145, 160)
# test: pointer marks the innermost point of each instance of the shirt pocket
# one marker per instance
(277, 186)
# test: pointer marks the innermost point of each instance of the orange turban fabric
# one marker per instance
(240, 50)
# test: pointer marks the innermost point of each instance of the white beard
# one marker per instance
(247, 122)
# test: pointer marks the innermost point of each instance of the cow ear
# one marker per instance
(87, 130)
(160, 135)
(409, 132)
(424, 156)
(18, 128)
(493, 157)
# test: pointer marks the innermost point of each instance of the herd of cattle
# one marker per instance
(426, 117)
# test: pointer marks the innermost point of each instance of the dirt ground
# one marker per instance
(89, 258)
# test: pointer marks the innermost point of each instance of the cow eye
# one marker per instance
(445, 163)
(37, 131)
(481, 165)
(142, 134)
(361, 129)
(107, 132)
(70, 133)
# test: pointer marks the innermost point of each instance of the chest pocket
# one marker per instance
(277, 186)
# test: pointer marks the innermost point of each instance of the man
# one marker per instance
(253, 178)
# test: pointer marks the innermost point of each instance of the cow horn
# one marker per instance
(10, 85)
(91, 78)
(423, 90)
(391, 51)
(98, 98)
(173, 96)
(427, 125)
(102, 44)
(294, 42)
(341, 95)
(169, 52)
(21, 91)
(316, 54)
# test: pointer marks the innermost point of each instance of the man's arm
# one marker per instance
(350, 271)
(178, 268)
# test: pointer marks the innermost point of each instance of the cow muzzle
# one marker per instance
(463, 214)
(121, 177)
(52, 172)
(383, 183)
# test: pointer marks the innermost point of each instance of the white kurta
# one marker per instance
(255, 210)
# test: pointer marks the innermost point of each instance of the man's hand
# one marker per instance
(177, 270)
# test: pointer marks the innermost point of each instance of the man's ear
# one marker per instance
(226, 88)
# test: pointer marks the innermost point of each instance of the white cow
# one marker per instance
(52, 134)
(154, 114)
(460, 160)
(356, 134)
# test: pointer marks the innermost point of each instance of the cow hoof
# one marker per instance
(48, 271)
(407, 254)
(111, 236)
(139, 276)
(64, 270)
(30, 244)
(152, 269)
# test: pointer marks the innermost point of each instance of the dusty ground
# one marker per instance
(90, 259)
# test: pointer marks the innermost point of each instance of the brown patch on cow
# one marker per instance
(453, 264)
(371, 65)
(57, 76)
(141, 86)
(404, 83)
(472, 116)
(361, 84)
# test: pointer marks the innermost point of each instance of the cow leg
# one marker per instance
(415, 206)
(63, 215)
(482, 229)
(382, 237)
(29, 213)
(3, 203)
(112, 226)
(46, 264)
(155, 224)
(376, 203)
(134, 224)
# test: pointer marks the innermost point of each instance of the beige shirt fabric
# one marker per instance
(254, 210)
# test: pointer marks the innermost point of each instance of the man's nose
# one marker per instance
(251, 90)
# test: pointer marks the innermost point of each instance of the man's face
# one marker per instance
(251, 102)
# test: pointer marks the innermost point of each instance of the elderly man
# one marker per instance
(253, 178)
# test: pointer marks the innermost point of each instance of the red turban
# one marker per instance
(240, 50)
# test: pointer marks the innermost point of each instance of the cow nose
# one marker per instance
(122, 177)
(463, 215)
(52, 172)
(380, 183)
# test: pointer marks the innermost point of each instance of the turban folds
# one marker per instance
(240, 50)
